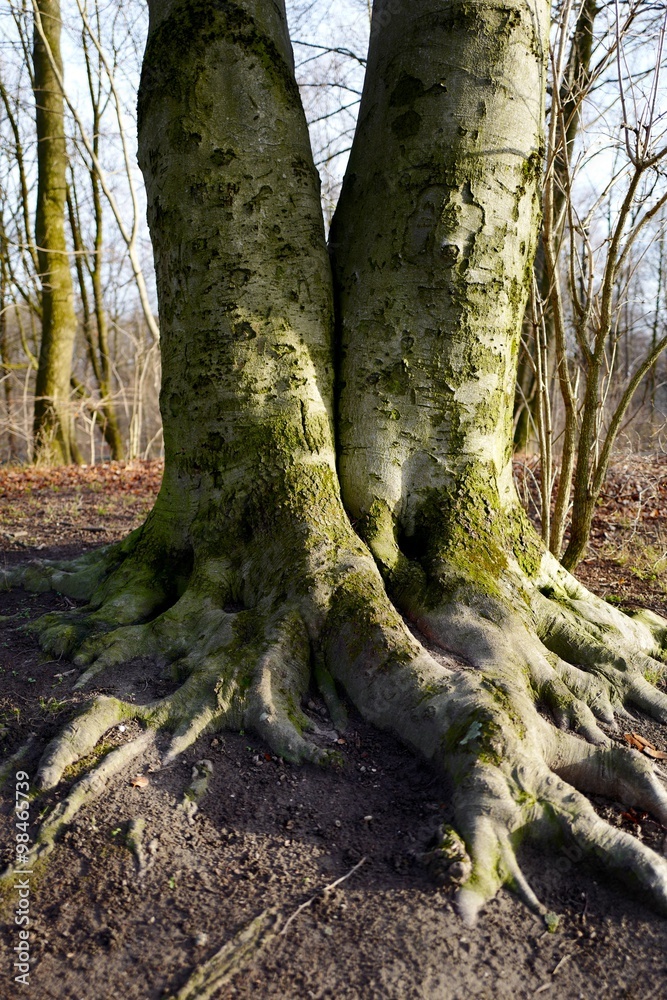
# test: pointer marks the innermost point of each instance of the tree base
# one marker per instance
(515, 707)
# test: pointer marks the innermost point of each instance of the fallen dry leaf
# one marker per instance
(639, 743)
(140, 781)
(632, 741)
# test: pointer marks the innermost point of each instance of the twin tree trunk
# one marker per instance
(53, 440)
(243, 278)
(278, 396)
(432, 246)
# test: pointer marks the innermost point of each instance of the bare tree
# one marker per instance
(588, 246)
(107, 233)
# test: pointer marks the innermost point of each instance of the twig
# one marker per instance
(562, 962)
(320, 892)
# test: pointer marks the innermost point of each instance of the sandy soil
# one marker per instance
(269, 835)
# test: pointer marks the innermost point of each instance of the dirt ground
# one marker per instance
(269, 835)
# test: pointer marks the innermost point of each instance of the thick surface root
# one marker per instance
(550, 671)
(238, 669)
(85, 791)
(518, 720)
(78, 578)
(498, 806)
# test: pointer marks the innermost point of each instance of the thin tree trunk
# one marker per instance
(5, 361)
(574, 88)
(110, 428)
(98, 347)
(52, 423)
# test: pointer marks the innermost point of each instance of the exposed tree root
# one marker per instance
(497, 806)
(77, 578)
(247, 945)
(540, 643)
(85, 791)
(135, 842)
(545, 659)
(206, 980)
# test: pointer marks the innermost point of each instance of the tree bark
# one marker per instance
(53, 434)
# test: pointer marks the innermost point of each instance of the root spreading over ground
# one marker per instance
(512, 694)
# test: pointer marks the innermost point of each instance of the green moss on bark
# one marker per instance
(358, 614)
(193, 27)
(477, 732)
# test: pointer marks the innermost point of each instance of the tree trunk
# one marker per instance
(243, 278)
(5, 361)
(98, 347)
(433, 241)
(247, 575)
(52, 422)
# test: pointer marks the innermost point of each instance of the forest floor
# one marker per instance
(270, 835)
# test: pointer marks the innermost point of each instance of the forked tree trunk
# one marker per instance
(247, 575)
(53, 434)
